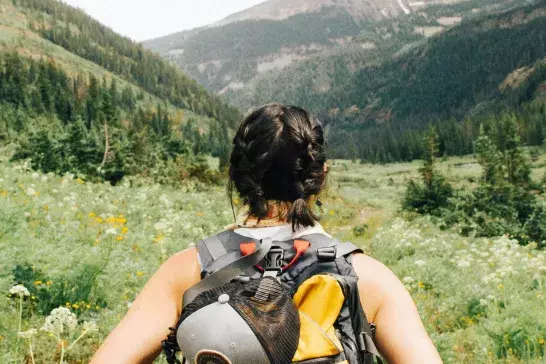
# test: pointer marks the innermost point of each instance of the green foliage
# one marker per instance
(75, 290)
(75, 125)
(435, 191)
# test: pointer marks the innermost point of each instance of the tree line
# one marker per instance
(94, 127)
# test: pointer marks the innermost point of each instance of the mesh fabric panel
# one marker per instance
(269, 311)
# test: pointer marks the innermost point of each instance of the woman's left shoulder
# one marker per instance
(376, 283)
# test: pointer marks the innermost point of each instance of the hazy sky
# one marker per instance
(145, 19)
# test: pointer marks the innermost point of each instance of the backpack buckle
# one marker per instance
(327, 254)
(273, 262)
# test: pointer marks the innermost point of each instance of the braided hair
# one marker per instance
(278, 155)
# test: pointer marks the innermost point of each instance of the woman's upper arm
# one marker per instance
(400, 335)
(137, 338)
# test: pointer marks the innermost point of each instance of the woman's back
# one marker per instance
(277, 167)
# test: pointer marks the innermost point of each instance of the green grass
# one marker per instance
(91, 247)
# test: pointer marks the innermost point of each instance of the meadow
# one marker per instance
(90, 247)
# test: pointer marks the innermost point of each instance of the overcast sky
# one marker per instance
(146, 19)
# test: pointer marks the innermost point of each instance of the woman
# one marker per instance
(278, 167)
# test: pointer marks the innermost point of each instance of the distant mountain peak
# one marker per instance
(283, 9)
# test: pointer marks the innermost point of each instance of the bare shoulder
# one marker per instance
(376, 284)
(181, 271)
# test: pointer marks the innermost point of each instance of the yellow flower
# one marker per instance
(37, 283)
(88, 306)
(97, 307)
(99, 220)
(501, 286)
(3, 193)
(49, 283)
(541, 341)
(46, 207)
(96, 242)
(421, 284)
(119, 238)
(67, 304)
(75, 306)
(331, 212)
(80, 181)
(124, 230)
(199, 214)
(92, 214)
(139, 274)
(33, 298)
(158, 238)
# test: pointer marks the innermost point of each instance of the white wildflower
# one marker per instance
(420, 263)
(35, 175)
(484, 302)
(31, 191)
(160, 225)
(90, 326)
(19, 290)
(542, 268)
(27, 214)
(59, 319)
(27, 334)
(111, 231)
(408, 279)
(463, 264)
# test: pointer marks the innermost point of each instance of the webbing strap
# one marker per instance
(344, 249)
(368, 348)
(215, 247)
(227, 273)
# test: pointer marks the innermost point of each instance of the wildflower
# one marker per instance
(58, 319)
(463, 264)
(27, 334)
(421, 284)
(31, 191)
(542, 268)
(49, 283)
(541, 341)
(125, 230)
(92, 214)
(90, 326)
(139, 274)
(408, 279)
(111, 231)
(37, 283)
(420, 263)
(27, 214)
(160, 225)
(119, 238)
(19, 290)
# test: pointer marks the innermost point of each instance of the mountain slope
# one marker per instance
(77, 97)
(457, 74)
(278, 33)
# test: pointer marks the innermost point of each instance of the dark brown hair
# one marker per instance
(278, 154)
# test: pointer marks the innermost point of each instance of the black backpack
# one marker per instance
(223, 260)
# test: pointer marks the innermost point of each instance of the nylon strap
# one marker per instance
(227, 273)
(344, 249)
(215, 247)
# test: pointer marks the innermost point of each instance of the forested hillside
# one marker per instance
(76, 97)
(376, 106)
(279, 33)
